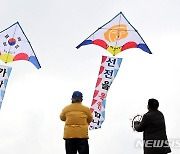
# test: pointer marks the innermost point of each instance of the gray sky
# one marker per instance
(29, 117)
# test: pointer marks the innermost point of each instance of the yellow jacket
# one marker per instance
(76, 117)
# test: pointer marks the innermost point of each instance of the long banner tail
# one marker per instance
(4, 75)
(108, 71)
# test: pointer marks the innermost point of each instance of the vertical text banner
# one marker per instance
(107, 73)
(4, 75)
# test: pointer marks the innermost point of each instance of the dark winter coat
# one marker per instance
(154, 133)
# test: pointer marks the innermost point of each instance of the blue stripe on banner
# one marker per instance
(119, 61)
(104, 103)
(2, 94)
(9, 71)
(115, 72)
(5, 82)
(103, 114)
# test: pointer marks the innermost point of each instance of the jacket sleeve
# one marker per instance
(63, 116)
(140, 127)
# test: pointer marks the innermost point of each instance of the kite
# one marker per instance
(108, 71)
(116, 36)
(14, 45)
(4, 75)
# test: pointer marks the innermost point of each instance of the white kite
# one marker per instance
(14, 45)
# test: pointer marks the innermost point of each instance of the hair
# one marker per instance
(77, 96)
(76, 100)
(153, 104)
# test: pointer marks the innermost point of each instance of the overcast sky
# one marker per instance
(29, 116)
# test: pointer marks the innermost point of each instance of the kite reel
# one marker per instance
(138, 118)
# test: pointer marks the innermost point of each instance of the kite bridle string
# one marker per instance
(118, 31)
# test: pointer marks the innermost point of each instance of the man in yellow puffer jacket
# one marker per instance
(76, 117)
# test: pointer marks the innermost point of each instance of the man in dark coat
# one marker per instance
(154, 130)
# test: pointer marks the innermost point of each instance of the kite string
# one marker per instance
(118, 31)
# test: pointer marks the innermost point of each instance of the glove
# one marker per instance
(136, 123)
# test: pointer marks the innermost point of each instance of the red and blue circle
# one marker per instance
(12, 41)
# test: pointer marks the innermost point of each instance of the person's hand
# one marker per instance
(136, 123)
